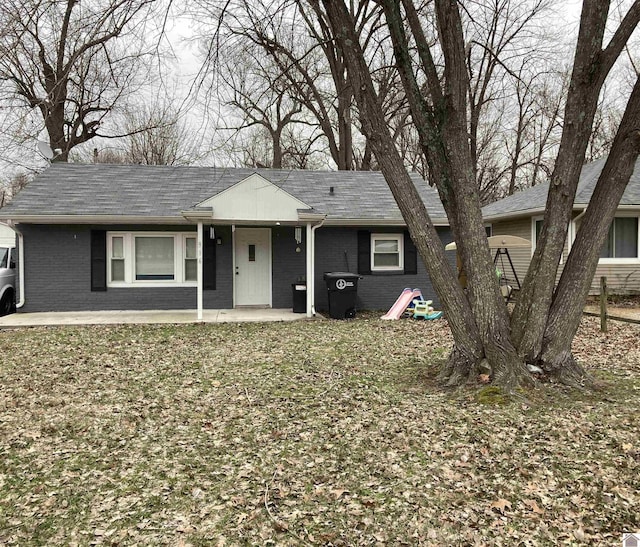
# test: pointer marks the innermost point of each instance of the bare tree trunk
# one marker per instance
(486, 331)
(573, 288)
(591, 66)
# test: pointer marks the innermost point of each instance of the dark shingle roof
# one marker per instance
(166, 191)
(534, 199)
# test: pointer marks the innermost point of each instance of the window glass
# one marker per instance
(190, 247)
(117, 270)
(190, 260)
(117, 258)
(154, 258)
(4, 252)
(622, 239)
(117, 247)
(386, 252)
(626, 237)
(538, 229)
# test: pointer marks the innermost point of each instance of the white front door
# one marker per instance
(252, 264)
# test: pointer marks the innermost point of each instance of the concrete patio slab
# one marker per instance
(146, 317)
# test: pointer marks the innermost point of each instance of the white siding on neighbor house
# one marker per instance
(621, 278)
(7, 236)
(521, 258)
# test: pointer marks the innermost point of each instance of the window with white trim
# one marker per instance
(151, 258)
(536, 229)
(622, 239)
(387, 252)
(535, 232)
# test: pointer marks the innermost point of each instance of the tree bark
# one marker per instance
(591, 66)
(573, 288)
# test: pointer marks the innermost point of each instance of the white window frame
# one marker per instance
(534, 239)
(631, 260)
(388, 237)
(191, 235)
(179, 255)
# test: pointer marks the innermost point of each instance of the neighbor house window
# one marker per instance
(151, 258)
(386, 252)
(536, 230)
(622, 239)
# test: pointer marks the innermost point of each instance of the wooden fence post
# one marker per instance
(603, 304)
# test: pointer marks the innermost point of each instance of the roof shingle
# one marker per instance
(166, 191)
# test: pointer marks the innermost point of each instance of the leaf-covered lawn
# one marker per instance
(319, 433)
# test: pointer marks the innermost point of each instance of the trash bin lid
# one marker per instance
(341, 275)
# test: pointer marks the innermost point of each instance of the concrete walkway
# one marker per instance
(146, 317)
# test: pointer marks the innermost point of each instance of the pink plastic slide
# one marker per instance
(401, 304)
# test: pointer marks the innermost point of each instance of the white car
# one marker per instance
(7, 280)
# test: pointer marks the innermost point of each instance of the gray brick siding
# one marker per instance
(337, 250)
(57, 271)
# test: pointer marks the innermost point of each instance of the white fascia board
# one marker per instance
(203, 213)
(303, 216)
(377, 222)
(514, 214)
(93, 219)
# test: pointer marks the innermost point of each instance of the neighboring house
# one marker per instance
(521, 215)
(7, 236)
(109, 237)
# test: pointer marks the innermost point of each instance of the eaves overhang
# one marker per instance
(92, 219)
(377, 222)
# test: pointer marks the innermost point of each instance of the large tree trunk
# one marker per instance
(479, 318)
(591, 66)
(573, 288)
(482, 329)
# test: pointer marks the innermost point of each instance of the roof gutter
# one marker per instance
(92, 219)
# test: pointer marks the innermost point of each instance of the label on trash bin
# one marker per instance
(301, 287)
(343, 284)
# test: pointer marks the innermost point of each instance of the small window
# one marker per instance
(154, 258)
(386, 252)
(536, 229)
(622, 240)
(190, 259)
(252, 253)
(117, 258)
(4, 252)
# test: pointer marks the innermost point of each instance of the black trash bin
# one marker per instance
(342, 290)
(299, 297)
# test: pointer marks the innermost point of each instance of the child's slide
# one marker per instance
(402, 302)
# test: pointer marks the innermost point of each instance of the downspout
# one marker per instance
(311, 295)
(19, 303)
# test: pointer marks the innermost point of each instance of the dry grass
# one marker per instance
(319, 433)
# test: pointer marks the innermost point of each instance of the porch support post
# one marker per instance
(199, 276)
(310, 244)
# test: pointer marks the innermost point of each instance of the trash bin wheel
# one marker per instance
(350, 313)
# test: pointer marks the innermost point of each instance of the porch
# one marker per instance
(122, 317)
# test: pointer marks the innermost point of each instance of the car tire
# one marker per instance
(7, 304)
